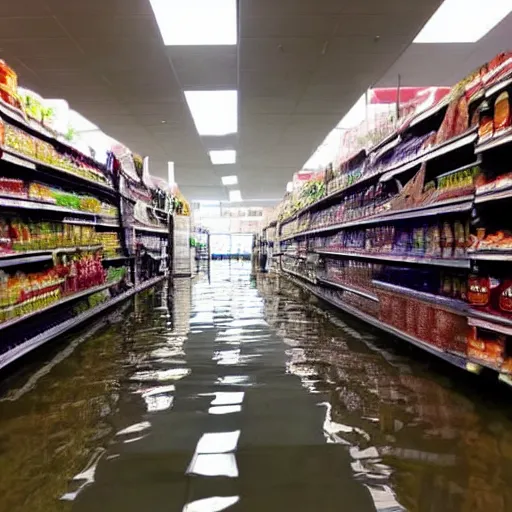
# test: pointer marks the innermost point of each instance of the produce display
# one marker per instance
(412, 236)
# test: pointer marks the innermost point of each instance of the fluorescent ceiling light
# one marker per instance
(229, 180)
(214, 112)
(463, 21)
(226, 156)
(235, 196)
(196, 22)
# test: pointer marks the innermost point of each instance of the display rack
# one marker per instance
(76, 236)
(410, 235)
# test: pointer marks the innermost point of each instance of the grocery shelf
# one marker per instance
(392, 171)
(490, 325)
(294, 256)
(331, 196)
(117, 258)
(9, 155)
(457, 360)
(494, 195)
(453, 263)
(30, 204)
(22, 162)
(494, 142)
(12, 113)
(24, 258)
(426, 114)
(477, 314)
(77, 248)
(58, 303)
(347, 288)
(498, 87)
(163, 231)
(458, 142)
(25, 347)
(454, 305)
(490, 255)
(392, 140)
(454, 205)
(291, 272)
(91, 223)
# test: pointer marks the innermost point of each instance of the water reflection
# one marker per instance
(422, 438)
(265, 402)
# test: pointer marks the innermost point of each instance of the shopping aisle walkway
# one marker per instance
(237, 395)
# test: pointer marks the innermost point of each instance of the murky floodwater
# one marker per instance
(237, 395)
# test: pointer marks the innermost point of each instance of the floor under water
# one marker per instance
(235, 394)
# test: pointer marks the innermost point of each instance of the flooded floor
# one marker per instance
(232, 394)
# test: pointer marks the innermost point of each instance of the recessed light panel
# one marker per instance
(463, 21)
(214, 112)
(235, 196)
(229, 180)
(226, 156)
(196, 22)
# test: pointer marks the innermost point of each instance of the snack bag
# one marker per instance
(501, 113)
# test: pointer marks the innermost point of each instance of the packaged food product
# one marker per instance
(486, 346)
(433, 242)
(505, 299)
(486, 121)
(19, 141)
(447, 241)
(12, 187)
(418, 241)
(446, 129)
(8, 84)
(461, 123)
(501, 113)
(459, 250)
(480, 289)
(40, 192)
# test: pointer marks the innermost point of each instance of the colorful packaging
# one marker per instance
(501, 113)
(433, 242)
(479, 290)
(459, 250)
(486, 122)
(505, 298)
(447, 241)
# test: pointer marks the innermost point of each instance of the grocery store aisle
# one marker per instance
(237, 395)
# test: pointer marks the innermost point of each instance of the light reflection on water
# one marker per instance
(236, 386)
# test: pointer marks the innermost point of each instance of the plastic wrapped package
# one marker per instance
(411, 320)
(8, 84)
(425, 315)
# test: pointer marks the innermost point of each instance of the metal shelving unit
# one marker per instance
(23, 348)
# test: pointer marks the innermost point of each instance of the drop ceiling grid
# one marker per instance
(106, 57)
